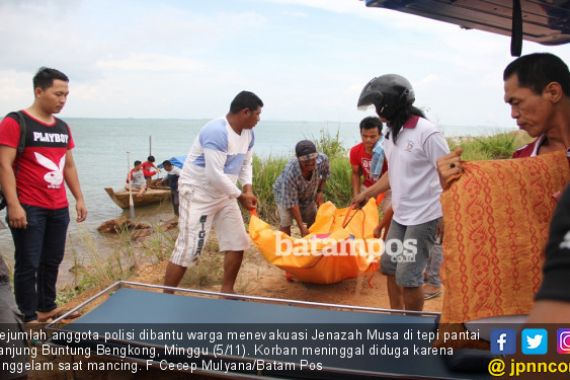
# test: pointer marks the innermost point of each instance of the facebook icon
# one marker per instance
(503, 341)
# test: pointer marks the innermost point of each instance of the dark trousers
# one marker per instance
(175, 201)
(39, 251)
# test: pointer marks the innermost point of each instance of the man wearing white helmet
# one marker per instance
(412, 147)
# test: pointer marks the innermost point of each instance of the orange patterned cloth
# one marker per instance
(496, 219)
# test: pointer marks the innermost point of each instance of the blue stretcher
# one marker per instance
(146, 313)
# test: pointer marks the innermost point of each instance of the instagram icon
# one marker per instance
(563, 345)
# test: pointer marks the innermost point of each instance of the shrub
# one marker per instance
(338, 188)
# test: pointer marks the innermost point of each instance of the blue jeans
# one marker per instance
(39, 251)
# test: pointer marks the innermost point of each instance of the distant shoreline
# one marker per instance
(329, 125)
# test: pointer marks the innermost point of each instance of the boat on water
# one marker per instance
(151, 196)
(155, 194)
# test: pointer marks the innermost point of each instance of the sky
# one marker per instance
(306, 59)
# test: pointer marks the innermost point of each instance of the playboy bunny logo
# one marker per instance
(55, 177)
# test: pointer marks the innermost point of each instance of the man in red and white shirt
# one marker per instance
(361, 154)
(32, 183)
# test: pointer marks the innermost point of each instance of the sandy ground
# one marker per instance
(259, 278)
(256, 278)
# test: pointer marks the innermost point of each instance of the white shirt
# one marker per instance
(219, 157)
(175, 171)
(412, 171)
(138, 179)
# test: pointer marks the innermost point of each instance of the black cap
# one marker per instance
(304, 147)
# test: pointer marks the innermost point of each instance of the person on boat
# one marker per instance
(537, 88)
(412, 146)
(298, 191)
(220, 156)
(136, 180)
(33, 184)
(173, 174)
(149, 170)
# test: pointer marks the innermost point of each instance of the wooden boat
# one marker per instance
(151, 196)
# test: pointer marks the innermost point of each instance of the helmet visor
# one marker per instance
(369, 97)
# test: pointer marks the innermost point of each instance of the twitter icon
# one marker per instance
(534, 341)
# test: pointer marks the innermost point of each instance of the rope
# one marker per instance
(346, 222)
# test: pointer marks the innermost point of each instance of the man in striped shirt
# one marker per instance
(220, 157)
(298, 190)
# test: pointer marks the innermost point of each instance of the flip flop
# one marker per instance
(56, 313)
(36, 324)
(430, 295)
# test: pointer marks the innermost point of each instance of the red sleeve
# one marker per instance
(354, 157)
(70, 142)
(384, 166)
(525, 151)
(9, 132)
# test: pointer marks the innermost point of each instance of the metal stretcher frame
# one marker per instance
(202, 308)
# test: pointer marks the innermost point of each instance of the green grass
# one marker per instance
(159, 245)
(330, 145)
(494, 147)
(94, 270)
(339, 186)
(265, 173)
(209, 268)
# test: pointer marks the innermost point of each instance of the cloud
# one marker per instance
(16, 89)
(428, 80)
(296, 14)
(150, 62)
(307, 59)
(391, 18)
(184, 30)
(338, 6)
